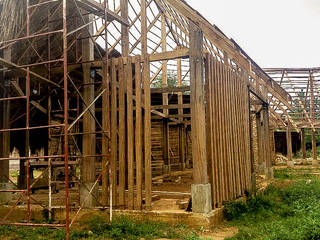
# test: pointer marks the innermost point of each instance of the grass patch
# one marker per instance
(282, 211)
(98, 228)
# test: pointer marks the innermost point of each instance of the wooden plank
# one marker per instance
(154, 57)
(235, 132)
(122, 135)
(171, 90)
(138, 136)
(147, 134)
(147, 107)
(171, 106)
(114, 132)
(209, 127)
(130, 130)
(106, 135)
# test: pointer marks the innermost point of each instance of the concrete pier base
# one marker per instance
(315, 163)
(201, 198)
(269, 173)
(290, 164)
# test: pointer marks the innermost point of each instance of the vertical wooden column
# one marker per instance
(5, 137)
(165, 101)
(272, 146)
(314, 149)
(138, 136)
(88, 170)
(260, 151)
(312, 109)
(130, 132)
(122, 134)
(106, 113)
(147, 106)
(290, 163)
(182, 132)
(122, 106)
(201, 188)
(114, 131)
(267, 143)
(303, 147)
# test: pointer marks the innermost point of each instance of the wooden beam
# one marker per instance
(98, 9)
(23, 71)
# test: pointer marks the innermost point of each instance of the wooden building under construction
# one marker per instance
(124, 94)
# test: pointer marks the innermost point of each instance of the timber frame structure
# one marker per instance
(303, 86)
(89, 68)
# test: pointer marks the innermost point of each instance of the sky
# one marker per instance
(274, 33)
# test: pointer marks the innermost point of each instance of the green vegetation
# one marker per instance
(98, 228)
(289, 209)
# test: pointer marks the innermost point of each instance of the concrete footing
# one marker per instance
(5, 197)
(208, 221)
(90, 200)
(201, 198)
(304, 162)
(290, 164)
(269, 173)
(315, 163)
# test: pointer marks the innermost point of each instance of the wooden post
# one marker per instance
(129, 172)
(88, 170)
(201, 188)
(303, 147)
(182, 133)
(5, 137)
(290, 163)
(312, 109)
(138, 136)
(165, 101)
(114, 132)
(147, 106)
(267, 143)
(272, 146)
(260, 144)
(106, 135)
(130, 132)
(122, 135)
(314, 150)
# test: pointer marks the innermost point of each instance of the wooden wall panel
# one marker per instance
(227, 119)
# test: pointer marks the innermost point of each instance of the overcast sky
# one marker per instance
(275, 33)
